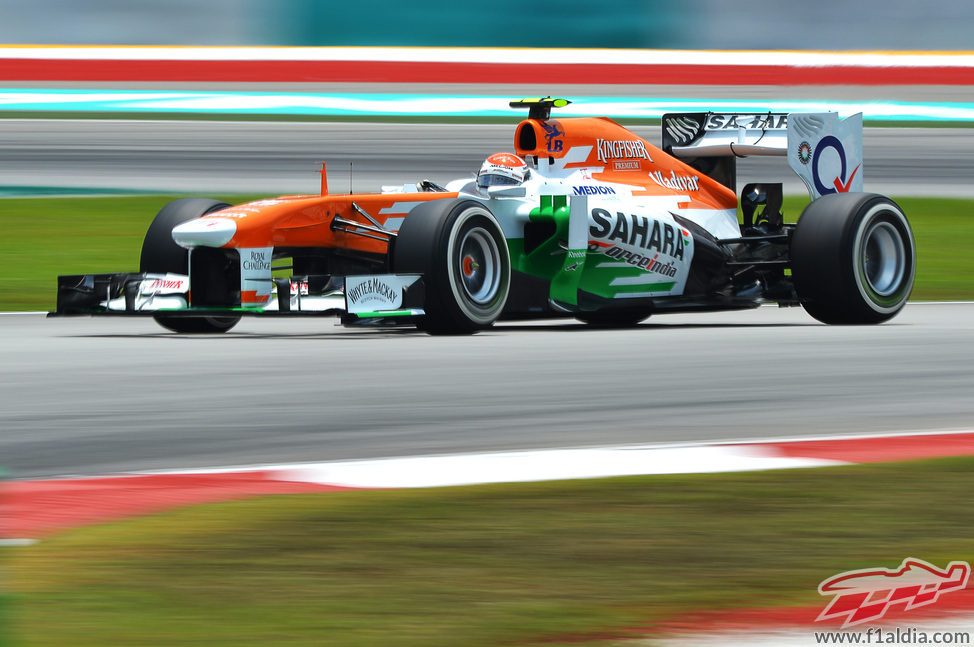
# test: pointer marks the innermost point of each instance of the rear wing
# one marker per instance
(713, 134)
(823, 150)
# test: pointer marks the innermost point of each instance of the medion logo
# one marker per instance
(593, 190)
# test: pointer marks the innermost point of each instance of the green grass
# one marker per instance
(44, 237)
(575, 562)
(41, 238)
(944, 233)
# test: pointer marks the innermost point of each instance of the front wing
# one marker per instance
(378, 298)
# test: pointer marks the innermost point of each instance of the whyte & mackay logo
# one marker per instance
(373, 289)
(867, 594)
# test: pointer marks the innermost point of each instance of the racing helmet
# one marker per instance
(502, 169)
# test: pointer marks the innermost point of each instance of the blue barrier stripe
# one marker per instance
(413, 105)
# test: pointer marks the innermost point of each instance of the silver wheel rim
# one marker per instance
(479, 267)
(884, 259)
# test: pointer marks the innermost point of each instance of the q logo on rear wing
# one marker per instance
(826, 152)
(866, 594)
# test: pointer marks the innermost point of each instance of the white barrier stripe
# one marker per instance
(731, 455)
(497, 55)
(312, 103)
(542, 465)
(16, 543)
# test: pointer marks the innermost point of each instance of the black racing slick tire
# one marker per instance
(160, 254)
(853, 258)
(460, 249)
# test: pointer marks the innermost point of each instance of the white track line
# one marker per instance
(563, 56)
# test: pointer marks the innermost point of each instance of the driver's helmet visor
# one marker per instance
(485, 180)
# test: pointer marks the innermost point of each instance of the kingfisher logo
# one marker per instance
(867, 594)
(621, 149)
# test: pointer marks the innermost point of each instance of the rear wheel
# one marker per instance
(160, 254)
(460, 250)
(853, 258)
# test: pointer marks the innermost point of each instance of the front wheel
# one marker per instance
(459, 248)
(161, 254)
(853, 258)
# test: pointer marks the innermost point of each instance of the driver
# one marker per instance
(502, 169)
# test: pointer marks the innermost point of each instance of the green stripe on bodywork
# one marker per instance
(564, 284)
(387, 313)
(598, 281)
(550, 260)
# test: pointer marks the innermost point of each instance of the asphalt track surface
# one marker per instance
(94, 396)
(270, 157)
(98, 395)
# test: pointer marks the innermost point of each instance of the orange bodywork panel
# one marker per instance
(617, 155)
(305, 220)
(596, 146)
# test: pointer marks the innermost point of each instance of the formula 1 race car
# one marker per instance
(583, 219)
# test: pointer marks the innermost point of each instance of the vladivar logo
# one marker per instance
(866, 594)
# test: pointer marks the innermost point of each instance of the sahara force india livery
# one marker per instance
(584, 219)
